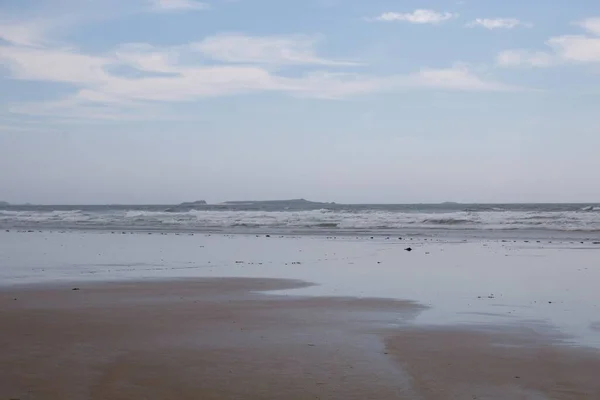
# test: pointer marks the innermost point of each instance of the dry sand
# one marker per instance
(218, 339)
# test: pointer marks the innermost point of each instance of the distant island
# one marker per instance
(194, 203)
(4, 204)
(280, 203)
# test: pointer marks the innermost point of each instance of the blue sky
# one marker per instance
(334, 100)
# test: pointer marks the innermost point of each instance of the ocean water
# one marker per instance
(483, 220)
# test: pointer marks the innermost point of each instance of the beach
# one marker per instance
(141, 315)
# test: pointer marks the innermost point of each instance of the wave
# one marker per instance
(448, 221)
(319, 219)
(326, 225)
(484, 208)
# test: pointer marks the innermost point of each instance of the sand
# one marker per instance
(219, 339)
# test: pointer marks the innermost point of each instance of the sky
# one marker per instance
(356, 101)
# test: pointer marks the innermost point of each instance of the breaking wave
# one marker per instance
(358, 218)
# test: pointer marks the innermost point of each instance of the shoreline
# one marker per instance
(220, 338)
(443, 234)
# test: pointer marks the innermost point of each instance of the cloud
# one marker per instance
(592, 25)
(458, 77)
(237, 48)
(518, 58)
(420, 16)
(576, 48)
(52, 65)
(144, 57)
(562, 49)
(178, 5)
(25, 33)
(103, 87)
(497, 23)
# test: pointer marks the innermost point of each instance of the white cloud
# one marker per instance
(178, 5)
(456, 78)
(291, 50)
(497, 23)
(592, 25)
(177, 73)
(576, 48)
(25, 33)
(518, 58)
(563, 49)
(145, 57)
(54, 65)
(420, 16)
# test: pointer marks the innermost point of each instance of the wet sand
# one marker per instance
(476, 282)
(220, 339)
(495, 363)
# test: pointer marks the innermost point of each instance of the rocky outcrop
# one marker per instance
(188, 206)
(193, 203)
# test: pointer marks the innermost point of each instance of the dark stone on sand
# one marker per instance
(75, 288)
(8, 230)
(596, 242)
(408, 249)
(267, 235)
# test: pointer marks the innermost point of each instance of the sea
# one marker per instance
(563, 221)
